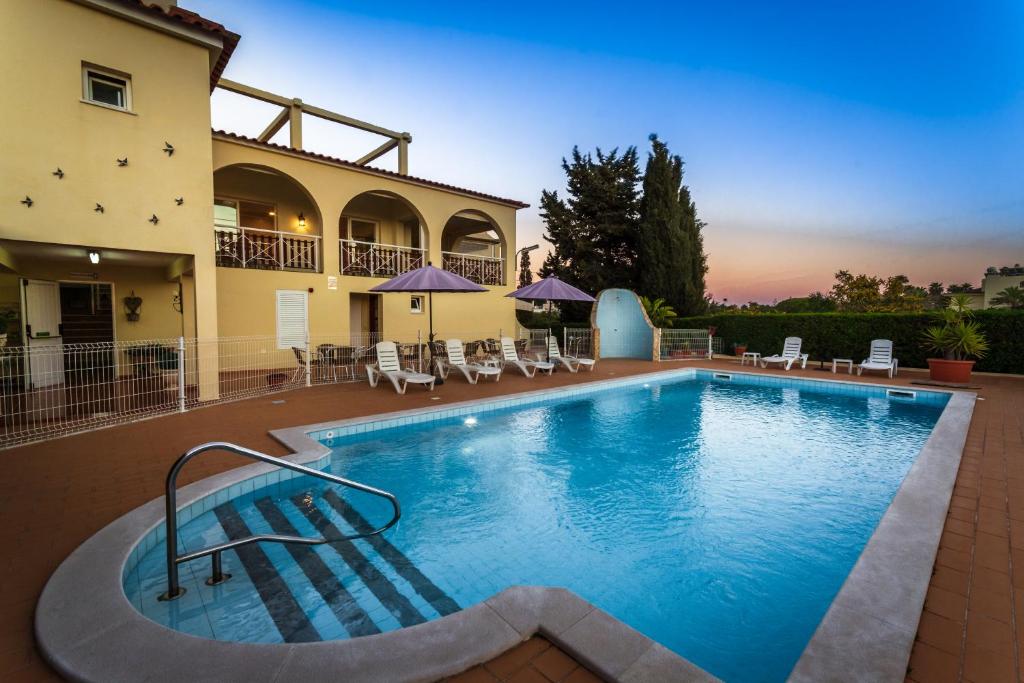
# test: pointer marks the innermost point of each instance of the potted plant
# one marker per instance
(739, 348)
(957, 337)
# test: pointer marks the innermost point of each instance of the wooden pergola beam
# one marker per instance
(275, 125)
(292, 115)
(255, 93)
(377, 153)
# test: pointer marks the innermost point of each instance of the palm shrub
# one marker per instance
(1011, 297)
(660, 313)
(957, 336)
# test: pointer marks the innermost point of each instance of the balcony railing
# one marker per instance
(266, 249)
(370, 259)
(483, 270)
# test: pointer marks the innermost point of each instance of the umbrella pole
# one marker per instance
(430, 305)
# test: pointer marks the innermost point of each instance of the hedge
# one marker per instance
(848, 335)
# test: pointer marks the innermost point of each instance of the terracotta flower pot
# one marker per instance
(951, 371)
(739, 350)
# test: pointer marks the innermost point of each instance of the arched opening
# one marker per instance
(265, 219)
(473, 246)
(382, 235)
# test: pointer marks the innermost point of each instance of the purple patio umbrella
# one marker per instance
(550, 289)
(429, 279)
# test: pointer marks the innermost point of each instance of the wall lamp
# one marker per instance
(302, 221)
(94, 257)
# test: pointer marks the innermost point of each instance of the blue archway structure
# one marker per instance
(625, 329)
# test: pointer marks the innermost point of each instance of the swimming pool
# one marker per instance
(718, 514)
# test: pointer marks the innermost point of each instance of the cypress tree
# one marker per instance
(525, 271)
(663, 249)
(693, 227)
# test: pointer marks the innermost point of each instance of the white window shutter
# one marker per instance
(292, 321)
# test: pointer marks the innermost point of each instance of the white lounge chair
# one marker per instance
(572, 363)
(389, 366)
(457, 359)
(790, 354)
(880, 358)
(510, 356)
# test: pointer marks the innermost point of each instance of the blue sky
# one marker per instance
(879, 137)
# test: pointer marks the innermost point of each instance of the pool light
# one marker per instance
(469, 421)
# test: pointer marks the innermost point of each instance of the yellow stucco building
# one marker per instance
(123, 217)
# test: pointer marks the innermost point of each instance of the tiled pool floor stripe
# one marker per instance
(437, 598)
(353, 617)
(286, 612)
(384, 590)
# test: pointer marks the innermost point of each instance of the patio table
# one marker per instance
(754, 356)
(842, 361)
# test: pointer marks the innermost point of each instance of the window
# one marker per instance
(241, 213)
(416, 304)
(109, 88)
(292, 320)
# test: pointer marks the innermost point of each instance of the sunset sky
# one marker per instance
(879, 137)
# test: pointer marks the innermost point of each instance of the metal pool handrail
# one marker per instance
(174, 588)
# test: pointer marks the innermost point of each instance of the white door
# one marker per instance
(43, 332)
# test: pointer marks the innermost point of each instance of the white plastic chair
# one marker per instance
(790, 354)
(510, 356)
(572, 363)
(389, 366)
(880, 358)
(457, 359)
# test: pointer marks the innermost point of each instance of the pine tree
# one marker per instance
(525, 271)
(593, 231)
(664, 249)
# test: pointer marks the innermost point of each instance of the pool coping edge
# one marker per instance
(869, 629)
(98, 635)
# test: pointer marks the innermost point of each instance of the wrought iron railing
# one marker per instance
(370, 259)
(483, 270)
(266, 249)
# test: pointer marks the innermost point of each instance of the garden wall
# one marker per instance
(848, 335)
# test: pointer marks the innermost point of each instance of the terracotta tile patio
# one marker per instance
(54, 495)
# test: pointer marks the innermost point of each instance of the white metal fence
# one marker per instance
(578, 341)
(688, 344)
(52, 389)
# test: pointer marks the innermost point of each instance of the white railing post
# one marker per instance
(181, 374)
(242, 238)
(309, 362)
(280, 252)
(316, 254)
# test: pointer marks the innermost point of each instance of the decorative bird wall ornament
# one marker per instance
(179, 200)
(99, 208)
(27, 201)
(59, 173)
(169, 148)
(122, 162)
(154, 220)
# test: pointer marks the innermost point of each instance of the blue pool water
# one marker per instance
(718, 517)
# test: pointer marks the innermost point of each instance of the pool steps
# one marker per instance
(339, 571)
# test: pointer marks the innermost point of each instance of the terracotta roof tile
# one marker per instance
(379, 171)
(184, 16)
